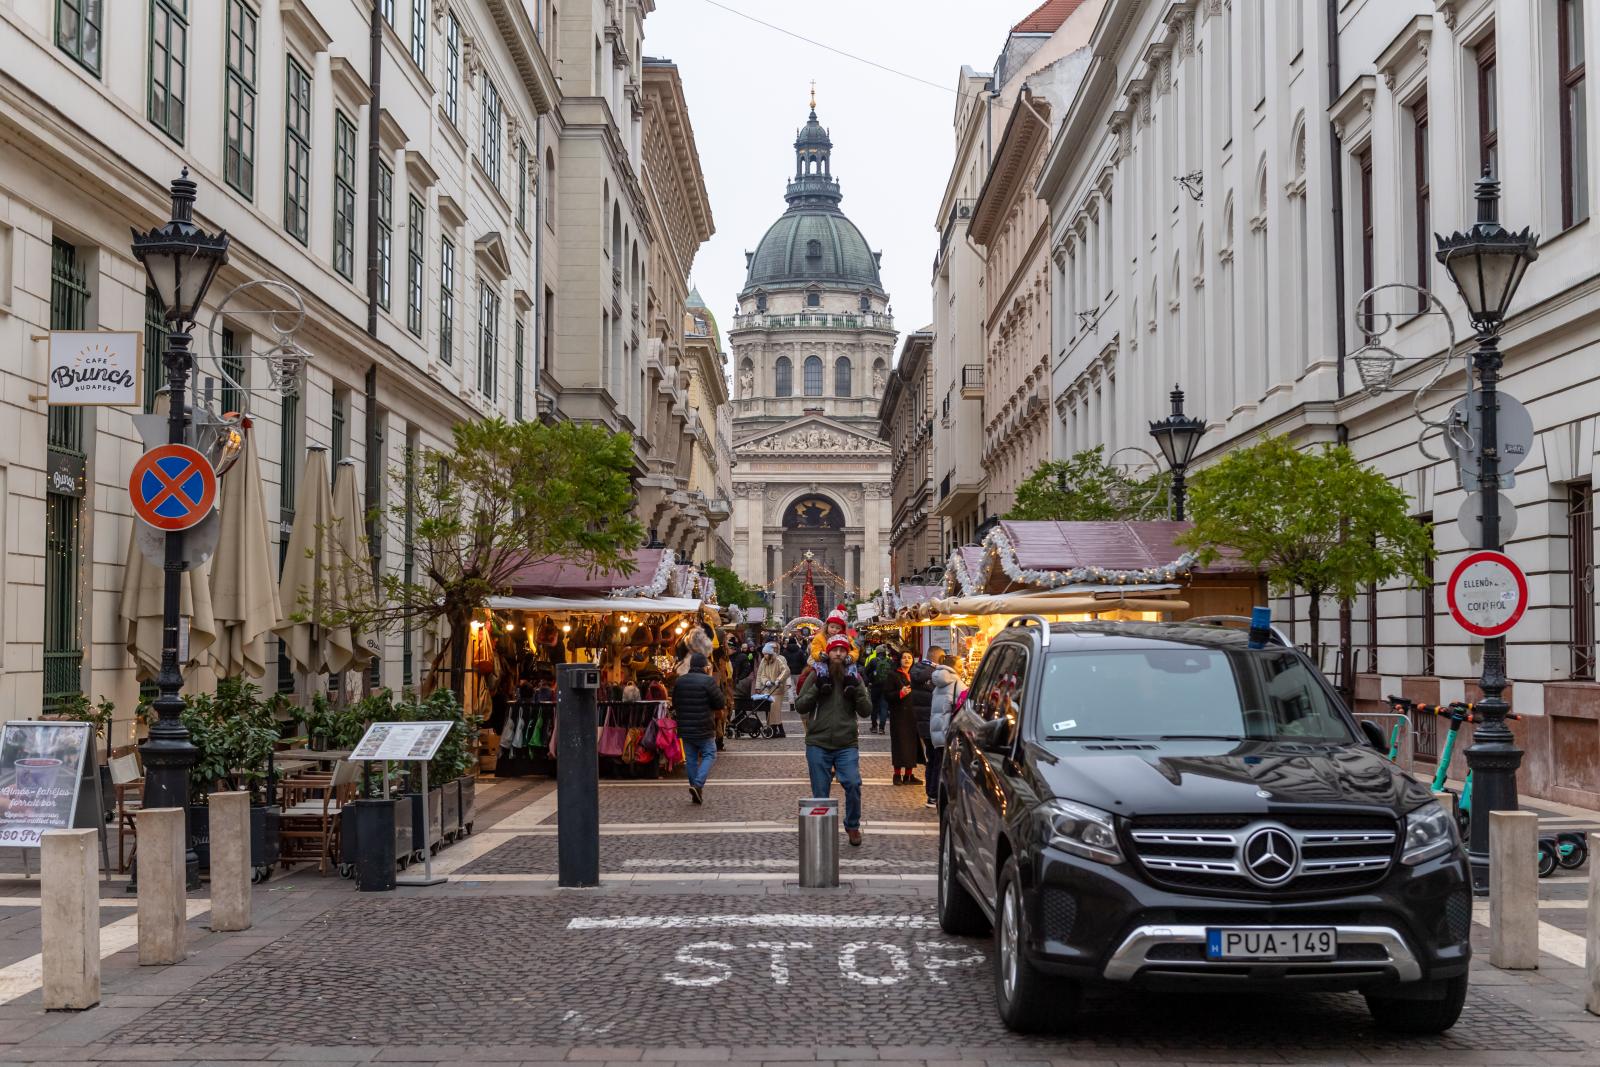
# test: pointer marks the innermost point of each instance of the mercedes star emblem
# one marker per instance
(1270, 856)
(1263, 794)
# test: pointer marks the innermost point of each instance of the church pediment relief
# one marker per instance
(811, 436)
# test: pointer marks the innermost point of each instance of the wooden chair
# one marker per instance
(309, 828)
(127, 783)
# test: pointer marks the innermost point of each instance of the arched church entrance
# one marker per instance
(814, 523)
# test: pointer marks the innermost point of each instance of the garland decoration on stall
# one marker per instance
(999, 551)
(657, 582)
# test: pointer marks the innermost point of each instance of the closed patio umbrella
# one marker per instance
(306, 587)
(244, 590)
(354, 585)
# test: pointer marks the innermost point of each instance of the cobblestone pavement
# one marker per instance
(715, 956)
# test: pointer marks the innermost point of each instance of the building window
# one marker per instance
(761, 303)
(1429, 648)
(447, 300)
(78, 31)
(1372, 629)
(155, 347)
(1368, 229)
(385, 235)
(866, 303)
(489, 142)
(813, 376)
(239, 107)
(232, 367)
(522, 185)
(288, 455)
(336, 429)
(518, 377)
(783, 377)
(1420, 192)
(813, 300)
(419, 34)
(841, 377)
(1488, 108)
(1574, 114)
(452, 68)
(344, 195)
(416, 237)
(63, 645)
(169, 30)
(488, 340)
(548, 179)
(386, 9)
(1580, 538)
(297, 153)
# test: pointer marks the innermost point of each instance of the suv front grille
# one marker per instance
(1206, 853)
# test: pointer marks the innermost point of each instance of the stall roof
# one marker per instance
(1048, 554)
(664, 605)
(572, 580)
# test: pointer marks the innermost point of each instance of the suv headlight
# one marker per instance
(1429, 832)
(1082, 830)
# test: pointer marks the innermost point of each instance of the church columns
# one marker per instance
(876, 525)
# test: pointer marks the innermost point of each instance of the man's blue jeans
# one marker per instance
(825, 764)
(880, 707)
(698, 756)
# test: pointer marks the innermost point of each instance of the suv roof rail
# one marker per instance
(1038, 620)
(1226, 620)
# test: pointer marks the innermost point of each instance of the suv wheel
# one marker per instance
(959, 914)
(1028, 1000)
(1420, 1016)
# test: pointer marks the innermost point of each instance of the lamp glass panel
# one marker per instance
(1185, 439)
(1163, 436)
(194, 278)
(162, 267)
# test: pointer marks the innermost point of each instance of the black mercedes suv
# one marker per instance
(1161, 805)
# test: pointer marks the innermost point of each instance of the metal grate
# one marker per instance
(155, 347)
(1058, 910)
(63, 652)
(69, 310)
(1580, 538)
(1458, 915)
(1206, 854)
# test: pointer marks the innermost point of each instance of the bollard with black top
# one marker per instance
(577, 777)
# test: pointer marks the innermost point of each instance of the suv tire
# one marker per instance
(1028, 1000)
(1420, 1016)
(959, 913)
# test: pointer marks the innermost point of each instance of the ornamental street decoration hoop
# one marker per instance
(284, 359)
(1487, 593)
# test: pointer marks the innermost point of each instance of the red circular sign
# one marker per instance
(172, 487)
(1487, 593)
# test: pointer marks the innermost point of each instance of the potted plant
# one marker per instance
(77, 708)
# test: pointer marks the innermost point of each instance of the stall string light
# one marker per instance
(853, 592)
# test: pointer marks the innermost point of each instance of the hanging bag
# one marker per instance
(612, 737)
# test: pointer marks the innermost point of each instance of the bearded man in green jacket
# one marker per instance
(830, 702)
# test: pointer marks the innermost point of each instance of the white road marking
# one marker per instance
(718, 783)
(24, 976)
(785, 863)
(33, 902)
(850, 965)
(520, 821)
(782, 920)
(684, 876)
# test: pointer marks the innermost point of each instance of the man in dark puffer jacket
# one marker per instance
(696, 698)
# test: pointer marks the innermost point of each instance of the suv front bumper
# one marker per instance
(1181, 950)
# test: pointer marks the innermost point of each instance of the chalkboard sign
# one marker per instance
(41, 769)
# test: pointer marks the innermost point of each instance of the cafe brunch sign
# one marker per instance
(1487, 593)
(41, 766)
(90, 367)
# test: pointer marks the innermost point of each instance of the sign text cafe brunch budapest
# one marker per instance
(91, 367)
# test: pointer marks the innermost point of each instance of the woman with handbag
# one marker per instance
(772, 679)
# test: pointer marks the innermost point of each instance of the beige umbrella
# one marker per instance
(143, 593)
(354, 585)
(244, 590)
(306, 588)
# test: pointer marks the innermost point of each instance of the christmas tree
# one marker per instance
(808, 598)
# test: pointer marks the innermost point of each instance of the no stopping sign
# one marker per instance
(1487, 593)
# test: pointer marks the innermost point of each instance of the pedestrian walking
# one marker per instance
(697, 700)
(876, 668)
(772, 678)
(905, 749)
(830, 702)
(794, 655)
(944, 681)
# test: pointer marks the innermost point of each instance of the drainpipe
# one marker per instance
(1336, 189)
(538, 239)
(374, 161)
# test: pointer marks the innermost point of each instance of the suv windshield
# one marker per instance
(1168, 694)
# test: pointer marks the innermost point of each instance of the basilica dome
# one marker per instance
(813, 243)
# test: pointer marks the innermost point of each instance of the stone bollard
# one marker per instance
(1514, 890)
(230, 860)
(162, 893)
(69, 919)
(1448, 799)
(1592, 957)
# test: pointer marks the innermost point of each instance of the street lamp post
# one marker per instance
(1178, 435)
(1487, 262)
(181, 259)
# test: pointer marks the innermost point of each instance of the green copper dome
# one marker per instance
(813, 243)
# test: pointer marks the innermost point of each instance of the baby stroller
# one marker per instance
(750, 717)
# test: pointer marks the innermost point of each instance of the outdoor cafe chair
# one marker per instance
(309, 827)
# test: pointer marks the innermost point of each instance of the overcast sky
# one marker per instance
(893, 138)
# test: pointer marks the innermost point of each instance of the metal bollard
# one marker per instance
(819, 843)
(1514, 890)
(1592, 956)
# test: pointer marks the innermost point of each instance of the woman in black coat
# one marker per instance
(904, 747)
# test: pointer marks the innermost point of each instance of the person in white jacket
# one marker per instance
(945, 682)
(772, 678)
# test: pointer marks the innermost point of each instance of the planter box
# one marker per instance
(372, 833)
(450, 809)
(469, 802)
(265, 840)
(435, 818)
(350, 832)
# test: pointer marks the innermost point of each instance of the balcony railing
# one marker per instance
(972, 380)
(815, 321)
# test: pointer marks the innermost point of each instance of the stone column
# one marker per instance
(230, 860)
(1513, 890)
(69, 918)
(162, 910)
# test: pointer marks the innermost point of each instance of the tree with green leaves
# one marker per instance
(1085, 488)
(506, 496)
(731, 589)
(1316, 521)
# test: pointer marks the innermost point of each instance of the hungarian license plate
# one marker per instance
(1279, 943)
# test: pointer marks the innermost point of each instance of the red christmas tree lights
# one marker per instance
(808, 598)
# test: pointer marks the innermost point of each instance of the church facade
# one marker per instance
(813, 342)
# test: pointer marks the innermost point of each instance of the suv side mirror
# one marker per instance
(993, 734)
(1375, 736)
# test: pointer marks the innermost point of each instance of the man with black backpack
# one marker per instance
(876, 670)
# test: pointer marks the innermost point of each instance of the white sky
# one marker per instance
(893, 137)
